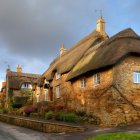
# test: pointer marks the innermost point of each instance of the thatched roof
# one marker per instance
(63, 64)
(16, 79)
(111, 51)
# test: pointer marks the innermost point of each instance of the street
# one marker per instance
(10, 132)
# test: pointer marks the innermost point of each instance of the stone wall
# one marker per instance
(128, 91)
(106, 78)
(84, 97)
(66, 91)
(17, 93)
(42, 126)
(124, 79)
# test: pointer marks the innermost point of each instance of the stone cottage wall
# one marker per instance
(66, 92)
(128, 91)
(87, 99)
(124, 79)
(17, 93)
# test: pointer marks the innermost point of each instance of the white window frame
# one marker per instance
(57, 89)
(26, 86)
(96, 79)
(37, 94)
(136, 77)
(58, 76)
(83, 82)
(46, 93)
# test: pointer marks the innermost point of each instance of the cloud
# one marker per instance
(32, 31)
(37, 28)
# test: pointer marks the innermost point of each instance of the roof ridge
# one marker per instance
(87, 37)
(109, 41)
(23, 74)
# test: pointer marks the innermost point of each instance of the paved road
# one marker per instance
(10, 132)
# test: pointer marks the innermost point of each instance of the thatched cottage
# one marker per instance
(19, 86)
(99, 76)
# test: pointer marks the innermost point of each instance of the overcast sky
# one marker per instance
(32, 31)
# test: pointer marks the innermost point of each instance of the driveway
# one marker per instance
(10, 132)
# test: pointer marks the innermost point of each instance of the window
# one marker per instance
(83, 83)
(136, 77)
(37, 94)
(58, 92)
(26, 86)
(46, 94)
(97, 79)
(58, 76)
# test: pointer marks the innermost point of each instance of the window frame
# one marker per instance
(136, 77)
(58, 76)
(57, 92)
(46, 93)
(26, 85)
(83, 83)
(97, 79)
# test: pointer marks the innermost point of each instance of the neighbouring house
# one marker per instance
(3, 94)
(19, 87)
(3, 88)
(99, 76)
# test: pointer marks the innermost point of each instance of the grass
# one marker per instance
(117, 136)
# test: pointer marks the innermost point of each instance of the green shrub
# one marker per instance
(68, 117)
(18, 102)
(16, 105)
(34, 115)
(3, 110)
(41, 115)
(49, 115)
(57, 116)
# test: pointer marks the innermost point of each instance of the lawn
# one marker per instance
(117, 136)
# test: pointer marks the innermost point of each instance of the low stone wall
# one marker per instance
(42, 126)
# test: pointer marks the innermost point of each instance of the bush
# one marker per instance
(29, 109)
(68, 117)
(46, 106)
(15, 105)
(18, 102)
(94, 120)
(57, 116)
(3, 110)
(49, 115)
(34, 115)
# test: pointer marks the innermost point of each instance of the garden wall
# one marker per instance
(42, 126)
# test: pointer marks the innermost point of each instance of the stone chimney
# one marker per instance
(8, 68)
(62, 49)
(19, 69)
(101, 26)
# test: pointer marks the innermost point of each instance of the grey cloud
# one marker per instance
(37, 28)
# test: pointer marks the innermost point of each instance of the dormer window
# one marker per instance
(58, 76)
(26, 86)
(83, 83)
